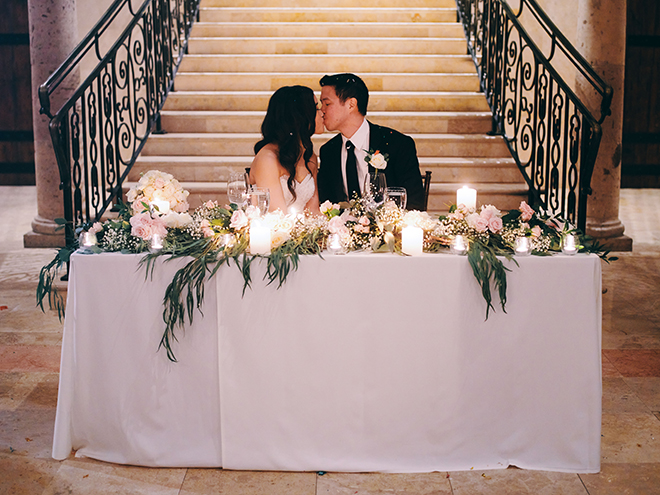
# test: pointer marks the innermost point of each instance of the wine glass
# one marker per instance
(237, 188)
(398, 195)
(259, 197)
(375, 187)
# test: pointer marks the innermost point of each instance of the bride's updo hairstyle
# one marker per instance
(290, 123)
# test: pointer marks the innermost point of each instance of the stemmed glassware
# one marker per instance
(259, 197)
(398, 195)
(375, 188)
(237, 188)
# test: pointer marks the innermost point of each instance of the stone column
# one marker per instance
(601, 33)
(53, 35)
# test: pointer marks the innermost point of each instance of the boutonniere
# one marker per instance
(376, 159)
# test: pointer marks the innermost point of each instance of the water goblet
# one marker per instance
(259, 197)
(375, 188)
(237, 188)
(398, 195)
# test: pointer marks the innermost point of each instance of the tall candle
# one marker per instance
(412, 240)
(467, 196)
(162, 205)
(259, 238)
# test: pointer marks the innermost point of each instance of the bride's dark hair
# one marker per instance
(290, 123)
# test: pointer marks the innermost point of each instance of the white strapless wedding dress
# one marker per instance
(304, 192)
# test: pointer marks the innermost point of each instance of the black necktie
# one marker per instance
(352, 182)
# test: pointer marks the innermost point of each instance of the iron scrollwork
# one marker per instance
(551, 134)
(99, 132)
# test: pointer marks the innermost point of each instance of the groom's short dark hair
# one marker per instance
(349, 86)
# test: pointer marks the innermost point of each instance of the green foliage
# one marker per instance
(487, 269)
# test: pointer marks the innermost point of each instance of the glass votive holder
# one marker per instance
(334, 244)
(522, 246)
(570, 244)
(227, 241)
(86, 241)
(459, 245)
(156, 243)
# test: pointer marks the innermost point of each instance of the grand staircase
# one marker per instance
(410, 53)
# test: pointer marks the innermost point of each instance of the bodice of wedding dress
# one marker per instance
(304, 192)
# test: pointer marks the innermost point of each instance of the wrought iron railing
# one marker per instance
(99, 132)
(551, 133)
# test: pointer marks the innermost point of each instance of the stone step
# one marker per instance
(441, 195)
(242, 144)
(331, 45)
(322, 29)
(327, 14)
(504, 196)
(406, 122)
(335, 3)
(329, 64)
(456, 170)
(270, 81)
(426, 101)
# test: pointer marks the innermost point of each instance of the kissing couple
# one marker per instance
(285, 161)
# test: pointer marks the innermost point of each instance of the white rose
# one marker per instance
(278, 238)
(378, 161)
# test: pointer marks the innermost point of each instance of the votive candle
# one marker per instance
(259, 238)
(569, 245)
(412, 240)
(522, 246)
(467, 196)
(156, 242)
(458, 245)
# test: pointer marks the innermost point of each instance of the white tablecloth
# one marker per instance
(358, 363)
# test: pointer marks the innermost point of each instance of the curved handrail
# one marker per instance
(101, 129)
(552, 135)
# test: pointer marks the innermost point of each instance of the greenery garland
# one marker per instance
(214, 236)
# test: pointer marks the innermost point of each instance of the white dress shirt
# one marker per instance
(361, 142)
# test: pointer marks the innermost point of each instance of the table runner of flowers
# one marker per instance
(214, 235)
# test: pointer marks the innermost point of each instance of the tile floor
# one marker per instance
(29, 363)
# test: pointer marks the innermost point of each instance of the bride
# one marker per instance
(285, 161)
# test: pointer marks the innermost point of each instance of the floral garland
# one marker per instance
(215, 235)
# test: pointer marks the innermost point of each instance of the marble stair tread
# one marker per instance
(270, 81)
(357, 29)
(250, 121)
(336, 14)
(331, 45)
(378, 100)
(328, 63)
(222, 144)
(335, 3)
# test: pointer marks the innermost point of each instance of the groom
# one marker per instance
(344, 99)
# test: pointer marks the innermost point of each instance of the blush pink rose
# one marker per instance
(495, 224)
(526, 211)
(239, 220)
(480, 224)
(143, 226)
(536, 231)
(336, 226)
(252, 212)
(364, 221)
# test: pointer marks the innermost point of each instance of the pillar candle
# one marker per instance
(412, 240)
(467, 196)
(259, 238)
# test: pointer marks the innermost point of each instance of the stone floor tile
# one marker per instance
(608, 368)
(383, 483)
(23, 475)
(29, 358)
(619, 397)
(647, 389)
(628, 437)
(89, 477)
(515, 481)
(37, 388)
(624, 479)
(27, 431)
(213, 481)
(635, 362)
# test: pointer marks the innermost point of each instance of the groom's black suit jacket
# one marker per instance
(402, 166)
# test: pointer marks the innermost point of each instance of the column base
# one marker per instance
(610, 234)
(45, 234)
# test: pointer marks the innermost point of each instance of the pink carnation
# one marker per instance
(526, 212)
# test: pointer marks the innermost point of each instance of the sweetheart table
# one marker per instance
(361, 362)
